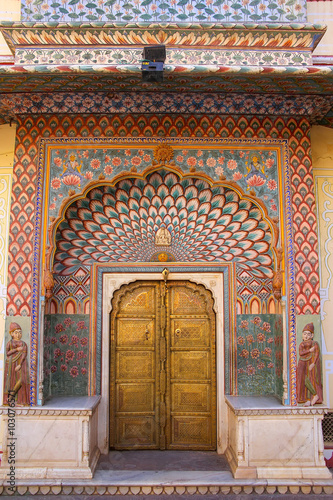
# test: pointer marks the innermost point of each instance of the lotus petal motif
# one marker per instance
(119, 224)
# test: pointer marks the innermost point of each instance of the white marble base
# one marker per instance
(55, 441)
(266, 441)
(270, 441)
(142, 483)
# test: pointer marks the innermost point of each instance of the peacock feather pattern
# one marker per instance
(206, 224)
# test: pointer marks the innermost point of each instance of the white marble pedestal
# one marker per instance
(57, 440)
(267, 440)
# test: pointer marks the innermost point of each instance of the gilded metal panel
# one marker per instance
(187, 301)
(163, 382)
(136, 432)
(163, 387)
(192, 397)
(134, 362)
(141, 300)
(191, 432)
(187, 365)
(134, 365)
(135, 332)
(189, 333)
(163, 349)
(192, 384)
(135, 398)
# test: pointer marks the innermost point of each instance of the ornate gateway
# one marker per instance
(163, 382)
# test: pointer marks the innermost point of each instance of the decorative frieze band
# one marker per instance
(158, 102)
(127, 56)
(258, 488)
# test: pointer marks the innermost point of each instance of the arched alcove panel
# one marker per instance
(165, 216)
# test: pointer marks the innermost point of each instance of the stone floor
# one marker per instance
(178, 475)
(156, 460)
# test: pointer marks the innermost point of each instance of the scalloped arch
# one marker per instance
(208, 221)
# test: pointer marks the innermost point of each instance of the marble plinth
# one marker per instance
(142, 483)
(266, 441)
(55, 441)
(270, 441)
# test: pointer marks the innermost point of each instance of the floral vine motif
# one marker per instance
(218, 162)
(259, 357)
(327, 191)
(150, 11)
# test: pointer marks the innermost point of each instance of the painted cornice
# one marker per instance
(316, 80)
(43, 59)
(231, 36)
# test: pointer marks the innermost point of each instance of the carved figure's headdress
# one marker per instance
(309, 328)
(14, 326)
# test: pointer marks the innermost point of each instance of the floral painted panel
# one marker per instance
(131, 103)
(174, 57)
(314, 80)
(259, 354)
(278, 334)
(66, 355)
(47, 356)
(252, 169)
(160, 11)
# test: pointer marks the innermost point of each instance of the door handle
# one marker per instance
(178, 332)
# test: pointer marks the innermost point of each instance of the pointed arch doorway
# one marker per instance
(162, 367)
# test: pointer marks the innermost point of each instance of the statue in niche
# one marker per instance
(309, 382)
(162, 237)
(16, 372)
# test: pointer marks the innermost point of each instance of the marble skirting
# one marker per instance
(269, 446)
(139, 483)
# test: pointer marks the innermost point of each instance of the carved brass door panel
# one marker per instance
(134, 367)
(191, 368)
(163, 383)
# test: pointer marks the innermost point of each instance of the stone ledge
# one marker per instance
(59, 406)
(268, 405)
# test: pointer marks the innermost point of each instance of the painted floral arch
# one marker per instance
(207, 221)
(117, 221)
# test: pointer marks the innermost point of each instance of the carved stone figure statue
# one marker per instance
(16, 372)
(162, 237)
(309, 381)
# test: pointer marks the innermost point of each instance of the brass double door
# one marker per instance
(163, 382)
